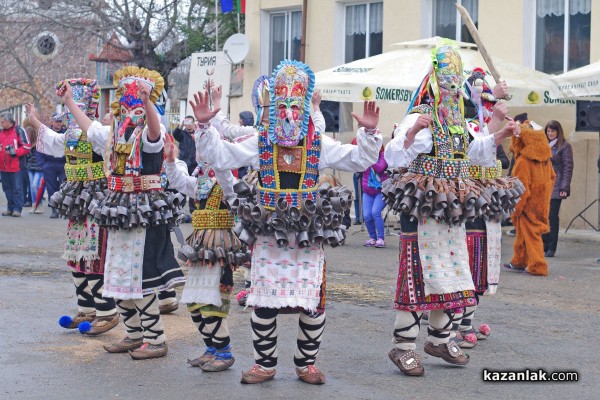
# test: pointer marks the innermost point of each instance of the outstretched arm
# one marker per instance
(152, 119)
(48, 141)
(348, 157)
(32, 114)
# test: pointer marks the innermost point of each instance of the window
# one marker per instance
(45, 44)
(285, 37)
(364, 31)
(562, 44)
(447, 21)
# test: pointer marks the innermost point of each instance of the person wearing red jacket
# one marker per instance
(11, 149)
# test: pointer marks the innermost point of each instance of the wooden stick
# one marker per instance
(480, 46)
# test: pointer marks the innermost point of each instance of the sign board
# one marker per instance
(207, 72)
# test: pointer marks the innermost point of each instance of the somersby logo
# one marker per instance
(528, 375)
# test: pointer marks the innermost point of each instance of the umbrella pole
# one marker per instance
(39, 194)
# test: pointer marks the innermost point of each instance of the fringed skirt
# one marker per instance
(73, 199)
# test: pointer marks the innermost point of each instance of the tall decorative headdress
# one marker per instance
(260, 95)
(86, 94)
(446, 71)
(127, 82)
(292, 85)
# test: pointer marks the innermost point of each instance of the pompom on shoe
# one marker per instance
(466, 339)
(241, 297)
(68, 322)
(99, 325)
(65, 321)
(484, 332)
(84, 327)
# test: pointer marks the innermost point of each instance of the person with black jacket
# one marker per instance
(184, 134)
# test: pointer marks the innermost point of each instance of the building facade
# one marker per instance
(552, 36)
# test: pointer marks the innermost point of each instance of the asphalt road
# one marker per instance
(536, 322)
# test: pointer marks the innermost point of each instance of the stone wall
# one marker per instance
(24, 66)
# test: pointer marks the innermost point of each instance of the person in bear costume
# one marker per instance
(534, 169)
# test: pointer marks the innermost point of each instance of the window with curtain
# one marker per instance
(286, 35)
(364, 31)
(445, 17)
(561, 43)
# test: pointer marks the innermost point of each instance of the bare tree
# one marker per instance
(30, 53)
(159, 33)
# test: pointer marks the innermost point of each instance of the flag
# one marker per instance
(226, 6)
(240, 5)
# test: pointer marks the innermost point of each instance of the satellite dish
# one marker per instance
(236, 48)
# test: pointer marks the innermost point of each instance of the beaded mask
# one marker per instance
(260, 97)
(128, 107)
(291, 88)
(86, 95)
(448, 68)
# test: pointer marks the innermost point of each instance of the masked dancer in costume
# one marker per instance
(485, 115)
(85, 249)
(286, 217)
(435, 195)
(140, 257)
(211, 252)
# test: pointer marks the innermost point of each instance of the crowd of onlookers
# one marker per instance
(26, 174)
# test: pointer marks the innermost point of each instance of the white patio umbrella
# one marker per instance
(395, 75)
(582, 82)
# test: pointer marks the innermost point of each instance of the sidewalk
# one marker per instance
(576, 235)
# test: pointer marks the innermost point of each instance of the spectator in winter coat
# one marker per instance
(34, 170)
(12, 148)
(562, 162)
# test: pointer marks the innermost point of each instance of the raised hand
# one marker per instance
(216, 94)
(66, 91)
(144, 92)
(499, 111)
(200, 106)
(511, 128)
(500, 91)
(370, 117)
(169, 149)
(31, 111)
(316, 98)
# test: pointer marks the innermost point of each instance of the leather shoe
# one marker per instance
(148, 351)
(103, 324)
(79, 318)
(257, 374)
(449, 352)
(208, 355)
(408, 361)
(124, 345)
(168, 308)
(311, 374)
(549, 253)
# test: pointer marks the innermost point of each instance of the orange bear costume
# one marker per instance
(534, 168)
